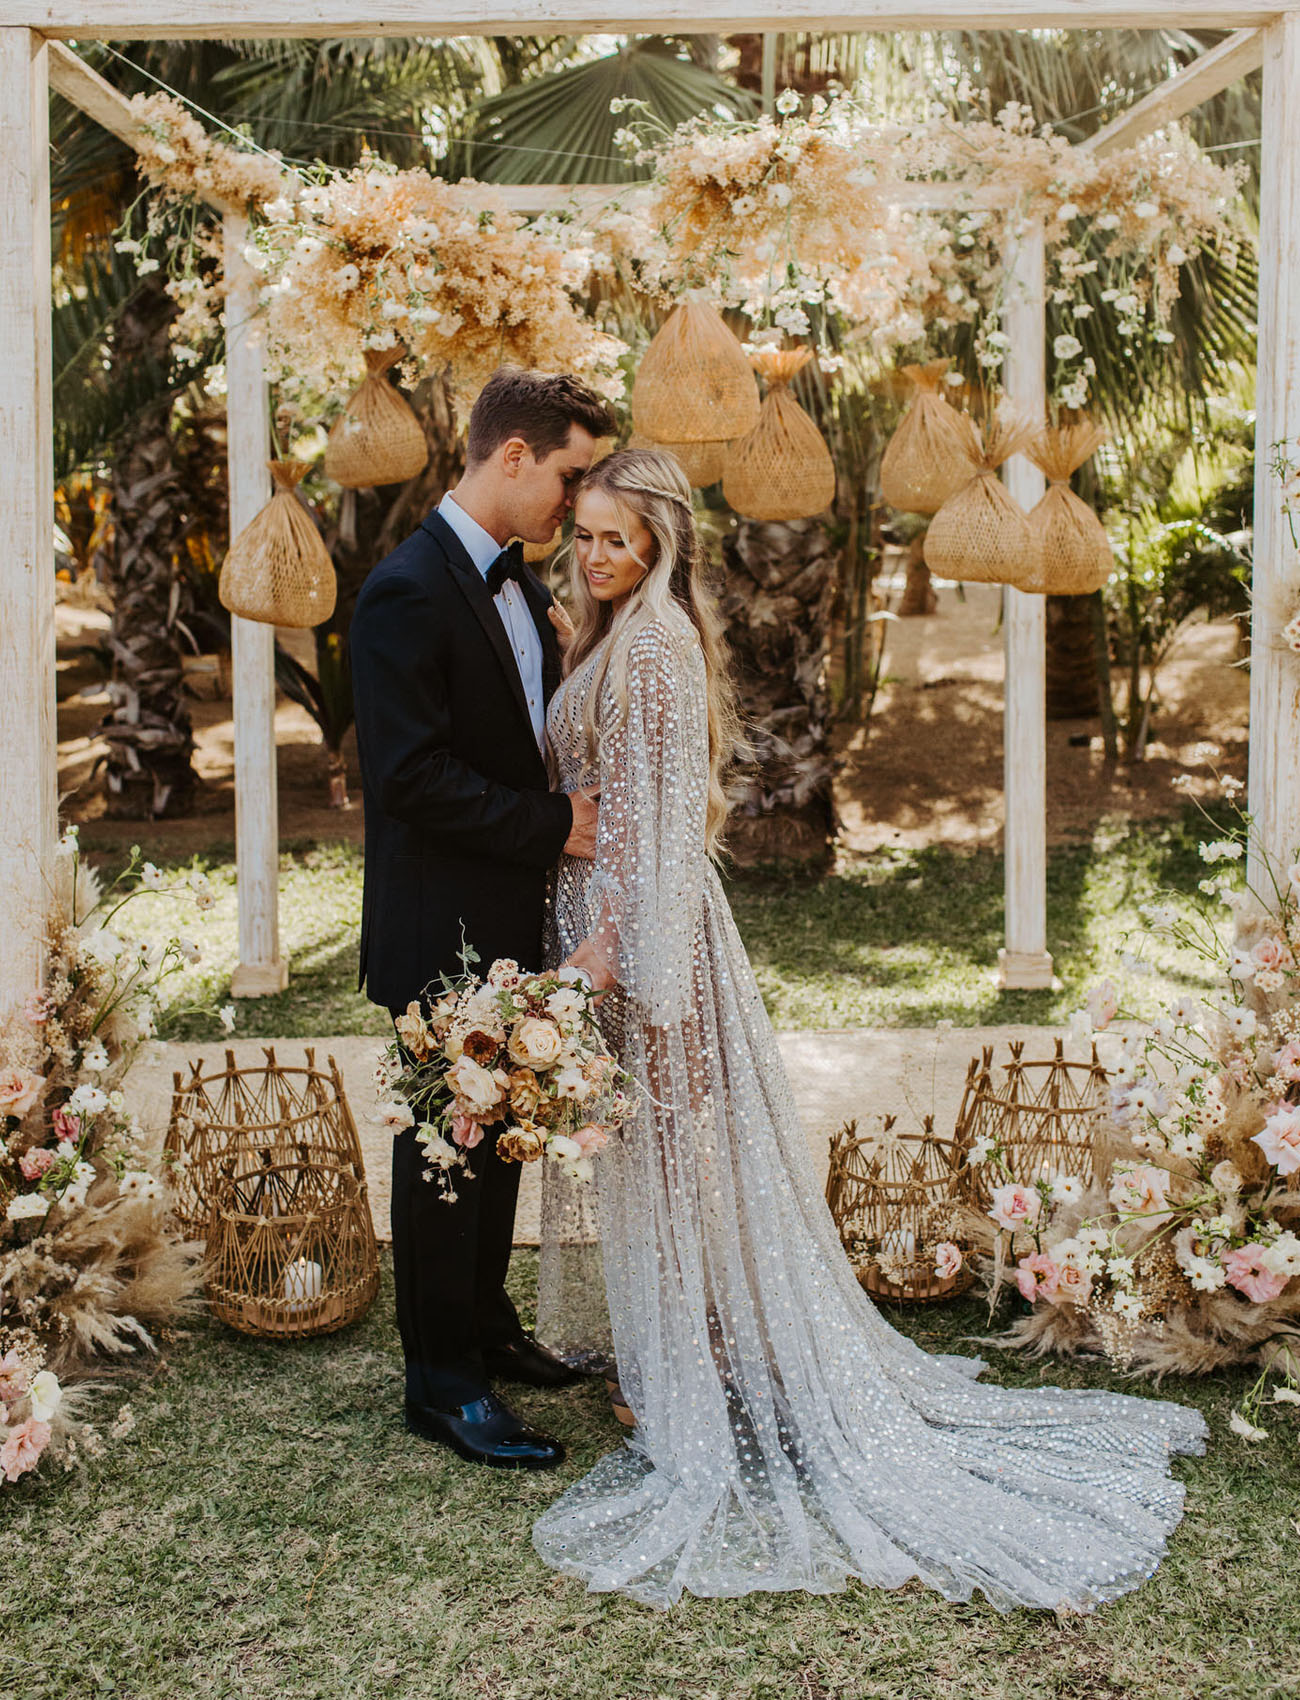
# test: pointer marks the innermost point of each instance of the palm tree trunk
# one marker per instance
(777, 597)
(147, 771)
(1072, 686)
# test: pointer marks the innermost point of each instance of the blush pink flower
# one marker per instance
(1103, 1004)
(1016, 1206)
(1037, 1277)
(466, 1132)
(1280, 1138)
(19, 1090)
(1249, 1274)
(23, 1447)
(1287, 1061)
(592, 1137)
(36, 1163)
(1141, 1189)
(38, 1009)
(14, 1379)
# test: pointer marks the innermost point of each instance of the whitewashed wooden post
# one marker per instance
(1274, 787)
(1024, 961)
(261, 968)
(28, 747)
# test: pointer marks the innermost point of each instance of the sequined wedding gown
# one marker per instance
(787, 1437)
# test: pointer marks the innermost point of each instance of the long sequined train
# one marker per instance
(787, 1437)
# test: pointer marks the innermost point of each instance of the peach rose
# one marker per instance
(466, 1132)
(947, 1260)
(19, 1090)
(22, 1449)
(592, 1137)
(523, 1144)
(413, 1031)
(1016, 1206)
(525, 1092)
(1273, 953)
(14, 1380)
(1073, 1285)
(535, 1043)
(1140, 1189)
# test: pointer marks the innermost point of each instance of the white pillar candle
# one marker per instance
(302, 1283)
(899, 1243)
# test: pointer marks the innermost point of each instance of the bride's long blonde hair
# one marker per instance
(648, 486)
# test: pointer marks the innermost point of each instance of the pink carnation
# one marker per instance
(466, 1132)
(1037, 1277)
(36, 1163)
(1280, 1138)
(1248, 1273)
(14, 1380)
(22, 1450)
(66, 1125)
(947, 1260)
(1016, 1206)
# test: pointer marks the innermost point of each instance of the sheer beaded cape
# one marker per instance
(787, 1437)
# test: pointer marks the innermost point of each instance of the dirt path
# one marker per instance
(925, 769)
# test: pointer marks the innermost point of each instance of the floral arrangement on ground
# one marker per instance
(521, 1048)
(1183, 1254)
(89, 1261)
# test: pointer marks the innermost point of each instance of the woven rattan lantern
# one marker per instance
(781, 469)
(376, 439)
(291, 1251)
(278, 570)
(1072, 551)
(981, 535)
(1042, 1115)
(934, 452)
(694, 383)
(895, 1199)
(236, 1119)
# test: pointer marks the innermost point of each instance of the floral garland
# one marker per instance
(374, 257)
(88, 1261)
(1184, 1254)
(780, 215)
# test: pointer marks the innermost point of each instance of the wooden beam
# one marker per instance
(28, 749)
(77, 82)
(177, 19)
(261, 968)
(1196, 83)
(1274, 784)
(1025, 960)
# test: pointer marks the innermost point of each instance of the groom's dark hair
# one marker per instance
(536, 407)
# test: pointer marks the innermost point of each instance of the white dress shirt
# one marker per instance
(516, 616)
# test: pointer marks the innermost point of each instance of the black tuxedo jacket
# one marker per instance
(460, 825)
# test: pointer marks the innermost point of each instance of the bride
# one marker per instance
(786, 1437)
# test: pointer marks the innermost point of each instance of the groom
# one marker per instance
(454, 657)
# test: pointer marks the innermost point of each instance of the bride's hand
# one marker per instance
(559, 618)
(589, 959)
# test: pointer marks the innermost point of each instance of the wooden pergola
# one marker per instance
(33, 57)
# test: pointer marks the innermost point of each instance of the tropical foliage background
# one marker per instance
(140, 439)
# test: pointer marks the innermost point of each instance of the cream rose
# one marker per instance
(479, 1090)
(535, 1043)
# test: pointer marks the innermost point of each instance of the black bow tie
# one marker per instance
(509, 564)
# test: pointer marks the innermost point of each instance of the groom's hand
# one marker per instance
(582, 834)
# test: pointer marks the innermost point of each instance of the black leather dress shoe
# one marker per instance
(524, 1360)
(486, 1432)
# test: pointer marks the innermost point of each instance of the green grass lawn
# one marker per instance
(896, 939)
(269, 1532)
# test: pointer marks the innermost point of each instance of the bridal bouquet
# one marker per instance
(524, 1049)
